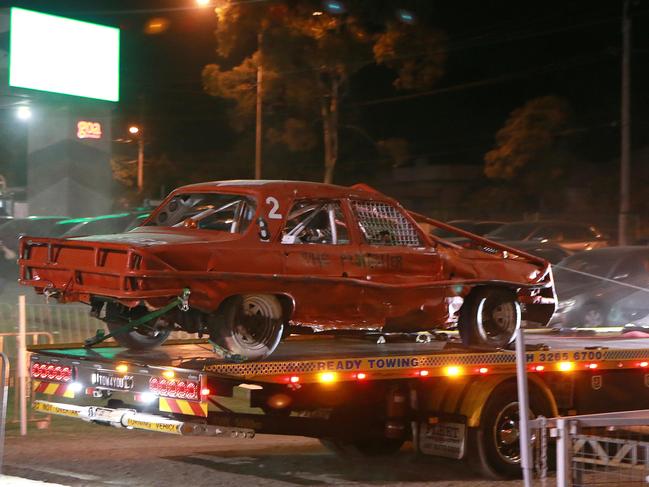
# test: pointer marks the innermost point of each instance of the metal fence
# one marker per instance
(65, 322)
(4, 395)
(610, 449)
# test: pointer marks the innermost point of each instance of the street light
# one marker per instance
(203, 3)
(136, 131)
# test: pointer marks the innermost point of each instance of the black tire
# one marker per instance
(142, 338)
(489, 317)
(494, 448)
(592, 316)
(367, 447)
(250, 325)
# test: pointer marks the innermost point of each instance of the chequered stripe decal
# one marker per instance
(409, 362)
(52, 388)
(182, 406)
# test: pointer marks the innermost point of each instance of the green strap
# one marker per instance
(227, 354)
(101, 336)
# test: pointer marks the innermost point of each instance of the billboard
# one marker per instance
(61, 55)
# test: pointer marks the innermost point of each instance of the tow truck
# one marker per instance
(359, 395)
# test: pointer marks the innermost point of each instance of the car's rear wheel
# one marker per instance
(143, 337)
(489, 317)
(250, 325)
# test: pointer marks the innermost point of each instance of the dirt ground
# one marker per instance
(83, 455)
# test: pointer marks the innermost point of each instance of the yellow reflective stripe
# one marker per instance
(69, 393)
(204, 406)
(51, 388)
(164, 405)
(185, 407)
(35, 384)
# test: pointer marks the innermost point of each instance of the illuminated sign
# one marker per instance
(61, 55)
(88, 130)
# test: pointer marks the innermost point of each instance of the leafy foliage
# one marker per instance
(307, 63)
(529, 140)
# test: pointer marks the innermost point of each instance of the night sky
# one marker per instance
(501, 54)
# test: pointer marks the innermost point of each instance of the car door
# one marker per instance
(396, 269)
(314, 242)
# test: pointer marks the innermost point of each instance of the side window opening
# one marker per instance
(383, 224)
(320, 222)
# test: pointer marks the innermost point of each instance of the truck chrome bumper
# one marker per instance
(131, 419)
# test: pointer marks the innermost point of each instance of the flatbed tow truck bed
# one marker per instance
(353, 393)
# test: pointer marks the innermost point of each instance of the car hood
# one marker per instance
(154, 236)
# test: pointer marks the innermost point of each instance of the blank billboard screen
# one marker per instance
(61, 55)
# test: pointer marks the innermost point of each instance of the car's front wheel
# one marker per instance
(250, 325)
(490, 317)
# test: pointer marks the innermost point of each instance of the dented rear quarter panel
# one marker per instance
(352, 285)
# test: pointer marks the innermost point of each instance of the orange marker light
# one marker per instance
(205, 391)
(483, 370)
(565, 366)
(423, 373)
(361, 376)
(592, 366)
(538, 368)
(453, 371)
(327, 377)
(294, 379)
(121, 368)
(168, 374)
(643, 364)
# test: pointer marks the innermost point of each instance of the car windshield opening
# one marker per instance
(207, 211)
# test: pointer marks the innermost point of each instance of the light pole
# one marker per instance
(136, 131)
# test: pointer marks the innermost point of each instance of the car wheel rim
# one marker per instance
(499, 321)
(506, 434)
(255, 322)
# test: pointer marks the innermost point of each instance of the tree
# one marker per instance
(534, 154)
(529, 139)
(308, 61)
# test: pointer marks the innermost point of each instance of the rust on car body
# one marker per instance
(336, 257)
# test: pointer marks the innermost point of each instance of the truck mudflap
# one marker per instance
(132, 419)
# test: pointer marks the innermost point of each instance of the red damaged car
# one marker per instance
(258, 256)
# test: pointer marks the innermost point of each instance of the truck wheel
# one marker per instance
(369, 447)
(249, 325)
(493, 447)
(142, 338)
(489, 317)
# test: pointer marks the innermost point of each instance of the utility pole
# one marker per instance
(258, 124)
(140, 163)
(625, 158)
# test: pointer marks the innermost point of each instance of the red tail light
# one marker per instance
(51, 372)
(182, 389)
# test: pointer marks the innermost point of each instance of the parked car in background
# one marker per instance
(543, 248)
(37, 226)
(475, 227)
(602, 287)
(570, 236)
(101, 225)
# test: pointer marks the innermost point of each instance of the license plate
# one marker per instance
(110, 381)
(442, 439)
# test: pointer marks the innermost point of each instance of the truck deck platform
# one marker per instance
(348, 356)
